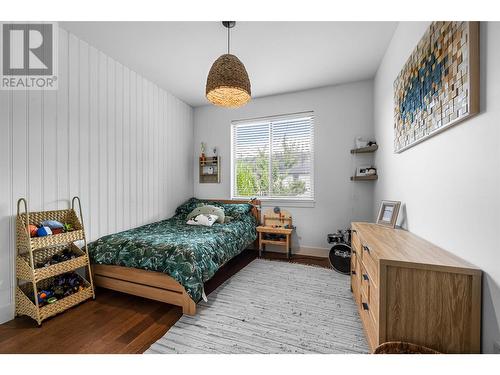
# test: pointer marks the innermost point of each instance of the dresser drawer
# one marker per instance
(370, 264)
(368, 322)
(355, 242)
(355, 277)
(370, 293)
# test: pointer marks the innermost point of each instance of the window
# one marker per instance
(272, 158)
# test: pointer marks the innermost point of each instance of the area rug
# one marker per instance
(272, 307)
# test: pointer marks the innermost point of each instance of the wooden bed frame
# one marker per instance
(155, 285)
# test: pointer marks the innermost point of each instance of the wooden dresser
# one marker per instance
(408, 289)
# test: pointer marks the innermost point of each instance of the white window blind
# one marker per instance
(273, 157)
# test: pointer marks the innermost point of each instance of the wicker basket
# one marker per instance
(400, 347)
(30, 251)
(35, 218)
(25, 306)
(25, 272)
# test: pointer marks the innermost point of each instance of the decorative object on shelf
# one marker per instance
(388, 213)
(41, 262)
(439, 85)
(366, 170)
(371, 171)
(277, 229)
(228, 84)
(340, 253)
(360, 142)
(203, 147)
(214, 151)
(209, 169)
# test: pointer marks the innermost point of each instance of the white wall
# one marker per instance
(107, 135)
(341, 113)
(450, 184)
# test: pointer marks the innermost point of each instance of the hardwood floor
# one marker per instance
(114, 322)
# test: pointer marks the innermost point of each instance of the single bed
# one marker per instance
(168, 260)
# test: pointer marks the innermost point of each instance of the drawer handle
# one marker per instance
(354, 251)
(354, 231)
(366, 248)
(365, 305)
(365, 277)
(353, 272)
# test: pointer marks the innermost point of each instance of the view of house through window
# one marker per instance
(273, 157)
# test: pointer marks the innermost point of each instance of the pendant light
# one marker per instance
(227, 82)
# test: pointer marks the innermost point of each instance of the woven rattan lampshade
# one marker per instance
(227, 82)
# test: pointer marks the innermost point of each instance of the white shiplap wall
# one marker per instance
(107, 135)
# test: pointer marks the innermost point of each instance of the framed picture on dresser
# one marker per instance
(388, 213)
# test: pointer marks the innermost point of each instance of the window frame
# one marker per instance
(290, 201)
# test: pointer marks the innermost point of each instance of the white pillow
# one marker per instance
(206, 220)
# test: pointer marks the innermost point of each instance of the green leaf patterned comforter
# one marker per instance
(189, 254)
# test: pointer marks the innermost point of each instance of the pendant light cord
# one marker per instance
(228, 38)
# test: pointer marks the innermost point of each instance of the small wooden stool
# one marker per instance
(276, 223)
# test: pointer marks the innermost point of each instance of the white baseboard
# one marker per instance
(311, 251)
(6, 313)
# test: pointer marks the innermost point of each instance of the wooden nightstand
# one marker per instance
(277, 223)
(285, 232)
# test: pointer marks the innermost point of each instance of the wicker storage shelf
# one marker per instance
(25, 272)
(26, 307)
(31, 251)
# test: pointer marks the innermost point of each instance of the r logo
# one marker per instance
(27, 49)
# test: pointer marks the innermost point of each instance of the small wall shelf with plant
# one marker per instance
(210, 169)
(209, 166)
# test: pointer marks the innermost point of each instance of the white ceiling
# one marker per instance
(279, 56)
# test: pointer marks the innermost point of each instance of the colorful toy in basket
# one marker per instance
(43, 231)
(62, 286)
(49, 227)
(52, 224)
(33, 229)
(55, 226)
(68, 227)
(63, 256)
(44, 295)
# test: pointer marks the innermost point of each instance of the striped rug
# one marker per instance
(272, 307)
